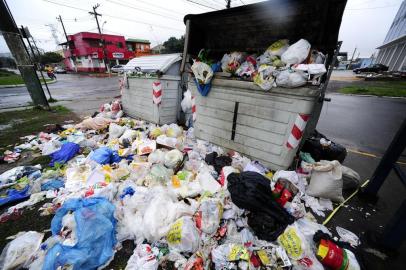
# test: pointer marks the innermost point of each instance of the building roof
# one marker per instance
(138, 40)
(392, 42)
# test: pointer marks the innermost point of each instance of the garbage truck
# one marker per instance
(266, 125)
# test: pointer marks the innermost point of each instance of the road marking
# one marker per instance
(362, 153)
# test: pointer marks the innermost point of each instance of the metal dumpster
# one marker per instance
(265, 125)
(153, 95)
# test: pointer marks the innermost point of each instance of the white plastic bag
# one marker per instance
(129, 135)
(296, 53)
(19, 251)
(115, 131)
(289, 79)
(183, 235)
(51, 147)
(173, 158)
(326, 181)
(207, 182)
(143, 258)
(202, 71)
(209, 215)
(158, 156)
(174, 131)
(347, 236)
(186, 103)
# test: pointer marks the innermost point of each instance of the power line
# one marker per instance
(166, 9)
(143, 10)
(200, 4)
(116, 17)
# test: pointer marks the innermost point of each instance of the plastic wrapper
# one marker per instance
(183, 235)
(231, 62)
(173, 158)
(128, 135)
(248, 67)
(296, 53)
(347, 236)
(264, 78)
(115, 131)
(18, 252)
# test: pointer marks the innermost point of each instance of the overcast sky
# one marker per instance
(364, 25)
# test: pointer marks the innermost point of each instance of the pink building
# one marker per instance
(84, 52)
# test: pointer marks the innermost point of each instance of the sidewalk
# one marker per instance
(360, 217)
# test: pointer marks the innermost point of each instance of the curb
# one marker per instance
(355, 95)
(21, 85)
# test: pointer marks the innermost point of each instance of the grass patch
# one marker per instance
(380, 89)
(10, 78)
(15, 124)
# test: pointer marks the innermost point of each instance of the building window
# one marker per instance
(142, 47)
(119, 45)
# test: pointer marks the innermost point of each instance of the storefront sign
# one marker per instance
(118, 55)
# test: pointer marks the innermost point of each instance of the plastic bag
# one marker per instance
(95, 231)
(155, 132)
(289, 79)
(158, 156)
(174, 131)
(143, 258)
(173, 158)
(67, 151)
(248, 67)
(231, 62)
(209, 215)
(347, 236)
(104, 155)
(202, 71)
(264, 77)
(183, 235)
(51, 147)
(207, 182)
(186, 103)
(115, 131)
(19, 251)
(159, 175)
(296, 53)
(279, 47)
(224, 254)
(129, 135)
(294, 242)
(351, 178)
(326, 181)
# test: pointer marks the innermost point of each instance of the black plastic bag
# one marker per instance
(218, 162)
(252, 191)
(333, 152)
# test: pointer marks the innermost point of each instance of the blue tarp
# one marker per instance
(95, 232)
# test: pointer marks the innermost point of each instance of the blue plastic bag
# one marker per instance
(105, 155)
(95, 232)
(12, 195)
(204, 89)
(52, 184)
(63, 155)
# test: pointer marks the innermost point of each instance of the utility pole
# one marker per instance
(101, 36)
(59, 18)
(26, 34)
(16, 45)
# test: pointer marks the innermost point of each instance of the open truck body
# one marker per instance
(238, 115)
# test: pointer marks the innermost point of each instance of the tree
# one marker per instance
(7, 62)
(50, 57)
(174, 45)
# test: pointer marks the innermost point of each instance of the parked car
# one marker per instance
(372, 68)
(59, 70)
(117, 68)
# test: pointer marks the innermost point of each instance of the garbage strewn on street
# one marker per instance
(183, 201)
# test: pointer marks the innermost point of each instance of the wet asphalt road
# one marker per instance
(363, 123)
(82, 94)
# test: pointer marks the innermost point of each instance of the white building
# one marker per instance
(392, 52)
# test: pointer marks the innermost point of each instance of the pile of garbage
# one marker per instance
(183, 201)
(280, 65)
